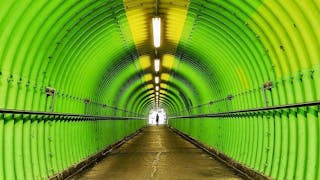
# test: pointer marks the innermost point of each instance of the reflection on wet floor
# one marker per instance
(158, 153)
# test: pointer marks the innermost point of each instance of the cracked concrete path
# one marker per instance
(158, 153)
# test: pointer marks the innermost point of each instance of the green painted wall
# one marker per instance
(85, 50)
(245, 44)
(60, 44)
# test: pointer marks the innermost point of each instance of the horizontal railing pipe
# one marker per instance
(67, 115)
(239, 112)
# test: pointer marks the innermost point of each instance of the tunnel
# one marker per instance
(239, 82)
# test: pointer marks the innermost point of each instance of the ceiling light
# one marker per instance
(157, 93)
(157, 88)
(157, 65)
(156, 79)
(156, 24)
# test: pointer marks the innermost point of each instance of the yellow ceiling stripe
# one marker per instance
(163, 92)
(144, 62)
(149, 86)
(175, 19)
(139, 15)
(136, 15)
(148, 77)
(165, 76)
(167, 61)
(163, 85)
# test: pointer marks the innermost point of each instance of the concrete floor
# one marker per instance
(158, 153)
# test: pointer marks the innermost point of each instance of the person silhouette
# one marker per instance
(157, 119)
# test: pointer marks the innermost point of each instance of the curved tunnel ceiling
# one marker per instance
(216, 56)
(103, 51)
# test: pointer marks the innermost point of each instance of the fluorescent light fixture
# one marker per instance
(156, 26)
(156, 79)
(157, 65)
(157, 93)
(157, 88)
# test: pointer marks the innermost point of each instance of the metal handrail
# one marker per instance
(201, 105)
(113, 107)
(67, 115)
(238, 112)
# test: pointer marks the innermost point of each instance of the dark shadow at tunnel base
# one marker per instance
(158, 153)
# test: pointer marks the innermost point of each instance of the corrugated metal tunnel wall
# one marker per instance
(96, 58)
(61, 45)
(251, 44)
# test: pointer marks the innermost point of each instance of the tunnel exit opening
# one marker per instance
(162, 117)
